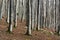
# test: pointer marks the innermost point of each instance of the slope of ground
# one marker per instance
(19, 33)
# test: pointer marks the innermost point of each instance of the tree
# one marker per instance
(21, 10)
(8, 12)
(24, 9)
(3, 8)
(57, 16)
(33, 8)
(29, 17)
(15, 11)
(16, 3)
(1, 2)
(44, 4)
(49, 13)
(38, 12)
(10, 17)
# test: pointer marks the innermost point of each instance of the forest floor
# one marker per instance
(19, 33)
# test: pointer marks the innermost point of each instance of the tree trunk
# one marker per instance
(38, 11)
(15, 12)
(1, 2)
(3, 9)
(44, 3)
(29, 17)
(33, 8)
(24, 10)
(8, 12)
(10, 17)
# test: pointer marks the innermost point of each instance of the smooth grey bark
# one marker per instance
(33, 8)
(1, 1)
(22, 12)
(35, 15)
(38, 11)
(52, 13)
(24, 9)
(46, 15)
(42, 14)
(16, 11)
(47, 4)
(28, 5)
(8, 12)
(21, 9)
(57, 15)
(16, 3)
(44, 4)
(30, 17)
(10, 16)
(41, 8)
(3, 8)
(49, 13)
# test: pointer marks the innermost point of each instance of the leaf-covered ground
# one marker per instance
(20, 30)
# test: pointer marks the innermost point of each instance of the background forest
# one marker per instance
(29, 19)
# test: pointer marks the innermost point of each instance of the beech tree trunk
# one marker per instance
(1, 2)
(3, 8)
(29, 17)
(10, 16)
(33, 8)
(38, 11)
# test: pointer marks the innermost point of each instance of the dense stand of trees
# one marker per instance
(37, 13)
